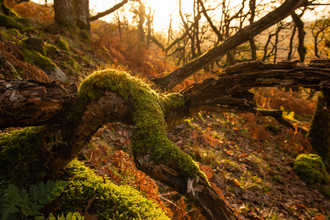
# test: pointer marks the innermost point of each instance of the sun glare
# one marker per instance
(164, 10)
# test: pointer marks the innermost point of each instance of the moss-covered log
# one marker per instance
(109, 96)
(115, 96)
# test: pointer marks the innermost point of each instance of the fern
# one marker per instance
(15, 203)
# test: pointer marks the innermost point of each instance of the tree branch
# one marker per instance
(169, 81)
(109, 11)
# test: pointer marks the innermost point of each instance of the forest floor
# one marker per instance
(248, 159)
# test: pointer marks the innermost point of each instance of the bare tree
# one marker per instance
(169, 81)
(319, 28)
(301, 35)
(252, 5)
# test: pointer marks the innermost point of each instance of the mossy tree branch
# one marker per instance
(113, 96)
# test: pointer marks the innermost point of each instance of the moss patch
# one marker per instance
(51, 50)
(34, 57)
(63, 45)
(11, 35)
(18, 152)
(111, 201)
(10, 12)
(29, 31)
(9, 22)
(149, 132)
(310, 169)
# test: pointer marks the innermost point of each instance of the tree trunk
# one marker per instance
(301, 36)
(169, 81)
(291, 43)
(320, 131)
(82, 14)
(252, 4)
(1, 6)
(142, 19)
(65, 13)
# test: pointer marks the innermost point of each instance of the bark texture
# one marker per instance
(29, 103)
(82, 14)
(320, 131)
(65, 13)
(301, 36)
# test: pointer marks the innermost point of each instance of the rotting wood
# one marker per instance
(29, 102)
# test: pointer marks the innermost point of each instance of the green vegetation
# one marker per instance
(21, 204)
(310, 169)
(30, 31)
(18, 152)
(9, 22)
(63, 45)
(11, 35)
(34, 57)
(50, 49)
(110, 201)
(149, 133)
(10, 12)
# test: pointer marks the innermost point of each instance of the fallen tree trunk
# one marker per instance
(113, 96)
(29, 103)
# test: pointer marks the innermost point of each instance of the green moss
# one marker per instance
(5, 36)
(10, 12)
(73, 64)
(14, 32)
(51, 50)
(310, 169)
(111, 201)
(63, 45)
(30, 31)
(18, 151)
(149, 132)
(9, 22)
(34, 57)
